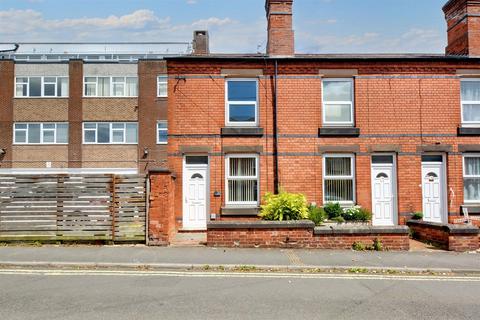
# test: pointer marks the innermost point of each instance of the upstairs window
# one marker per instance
(48, 87)
(339, 179)
(337, 102)
(242, 102)
(111, 87)
(242, 180)
(40, 133)
(471, 178)
(470, 102)
(162, 132)
(162, 86)
(110, 133)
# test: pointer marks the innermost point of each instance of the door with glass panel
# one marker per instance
(434, 188)
(195, 192)
(383, 190)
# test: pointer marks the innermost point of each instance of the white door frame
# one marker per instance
(443, 170)
(394, 184)
(185, 167)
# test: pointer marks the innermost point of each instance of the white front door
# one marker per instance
(383, 191)
(195, 191)
(433, 189)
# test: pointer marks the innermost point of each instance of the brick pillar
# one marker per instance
(7, 70)
(161, 214)
(75, 113)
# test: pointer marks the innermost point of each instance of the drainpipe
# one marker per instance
(275, 132)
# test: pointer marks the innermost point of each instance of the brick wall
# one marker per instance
(161, 219)
(301, 234)
(150, 109)
(29, 110)
(459, 238)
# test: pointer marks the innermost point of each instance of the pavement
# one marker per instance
(182, 258)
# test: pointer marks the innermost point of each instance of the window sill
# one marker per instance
(240, 211)
(40, 98)
(469, 131)
(242, 132)
(473, 208)
(338, 132)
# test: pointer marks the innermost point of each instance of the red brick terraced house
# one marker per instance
(396, 133)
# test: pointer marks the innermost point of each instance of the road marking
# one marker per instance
(194, 274)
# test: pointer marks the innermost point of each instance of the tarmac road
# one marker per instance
(57, 294)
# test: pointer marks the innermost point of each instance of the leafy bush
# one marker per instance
(284, 206)
(317, 214)
(358, 246)
(377, 245)
(333, 209)
(350, 214)
(338, 219)
(417, 216)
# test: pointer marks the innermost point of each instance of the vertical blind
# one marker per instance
(242, 180)
(338, 179)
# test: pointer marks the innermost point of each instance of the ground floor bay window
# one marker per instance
(242, 180)
(339, 178)
(471, 178)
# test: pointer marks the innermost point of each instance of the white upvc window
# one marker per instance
(41, 87)
(162, 132)
(40, 133)
(162, 86)
(339, 178)
(241, 100)
(471, 178)
(122, 87)
(338, 104)
(242, 180)
(110, 133)
(470, 102)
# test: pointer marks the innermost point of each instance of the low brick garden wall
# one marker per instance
(302, 234)
(453, 237)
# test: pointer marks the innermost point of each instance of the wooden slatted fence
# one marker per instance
(73, 207)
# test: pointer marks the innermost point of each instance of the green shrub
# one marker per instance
(333, 209)
(358, 246)
(350, 214)
(284, 206)
(417, 216)
(338, 219)
(377, 245)
(357, 213)
(363, 215)
(316, 214)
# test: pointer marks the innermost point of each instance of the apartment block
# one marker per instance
(85, 107)
(394, 133)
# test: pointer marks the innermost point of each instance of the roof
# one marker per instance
(336, 57)
(95, 51)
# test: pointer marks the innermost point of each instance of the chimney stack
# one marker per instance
(463, 22)
(201, 41)
(280, 28)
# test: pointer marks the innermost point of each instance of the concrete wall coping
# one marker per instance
(449, 228)
(300, 224)
(361, 229)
